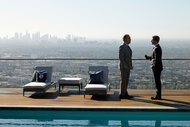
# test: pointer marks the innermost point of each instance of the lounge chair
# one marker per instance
(40, 86)
(98, 89)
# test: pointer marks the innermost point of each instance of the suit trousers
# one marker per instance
(157, 75)
(124, 81)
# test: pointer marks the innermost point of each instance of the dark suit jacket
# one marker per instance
(125, 56)
(156, 58)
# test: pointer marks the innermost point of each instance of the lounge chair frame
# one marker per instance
(105, 80)
(50, 84)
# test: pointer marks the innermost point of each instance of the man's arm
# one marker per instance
(157, 56)
(131, 64)
(148, 57)
(122, 57)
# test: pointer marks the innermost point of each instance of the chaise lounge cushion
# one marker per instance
(70, 80)
(36, 85)
(96, 87)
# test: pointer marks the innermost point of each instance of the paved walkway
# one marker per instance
(172, 99)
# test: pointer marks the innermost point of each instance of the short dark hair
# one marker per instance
(125, 36)
(156, 38)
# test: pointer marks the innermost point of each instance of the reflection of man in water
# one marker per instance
(158, 123)
(98, 122)
(124, 123)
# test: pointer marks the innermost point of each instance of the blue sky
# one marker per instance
(97, 19)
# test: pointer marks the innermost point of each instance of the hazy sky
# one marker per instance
(97, 19)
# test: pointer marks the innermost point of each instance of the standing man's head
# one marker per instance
(127, 38)
(155, 39)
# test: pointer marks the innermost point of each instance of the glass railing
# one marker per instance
(15, 72)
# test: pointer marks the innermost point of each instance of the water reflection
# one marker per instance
(90, 123)
(93, 119)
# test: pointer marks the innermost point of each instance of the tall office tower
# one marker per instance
(36, 36)
(16, 36)
(20, 36)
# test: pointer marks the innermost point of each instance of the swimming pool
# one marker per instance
(33, 118)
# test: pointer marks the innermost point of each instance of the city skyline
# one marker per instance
(96, 19)
(38, 36)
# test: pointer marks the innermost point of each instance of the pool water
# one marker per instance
(12, 118)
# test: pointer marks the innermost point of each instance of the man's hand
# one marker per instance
(147, 57)
(125, 67)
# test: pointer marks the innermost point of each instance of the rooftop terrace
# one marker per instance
(70, 98)
(172, 99)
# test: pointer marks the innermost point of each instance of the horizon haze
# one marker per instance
(97, 19)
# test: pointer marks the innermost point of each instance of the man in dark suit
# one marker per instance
(156, 64)
(125, 65)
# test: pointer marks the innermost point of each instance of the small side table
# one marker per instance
(70, 82)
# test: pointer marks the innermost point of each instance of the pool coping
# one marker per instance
(96, 108)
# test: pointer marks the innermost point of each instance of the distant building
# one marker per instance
(36, 36)
(45, 37)
(16, 36)
(26, 36)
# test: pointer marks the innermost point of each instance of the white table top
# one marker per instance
(70, 79)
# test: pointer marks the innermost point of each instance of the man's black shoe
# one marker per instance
(156, 98)
(121, 97)
(125, 97)
(129, 97)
